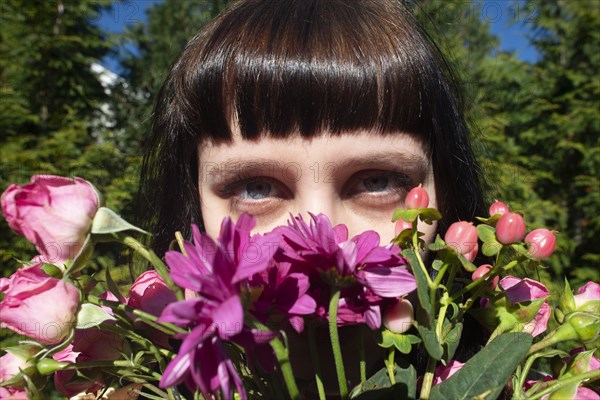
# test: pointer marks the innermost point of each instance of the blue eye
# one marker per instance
(377, 183)
(256, 190)
(383, 181)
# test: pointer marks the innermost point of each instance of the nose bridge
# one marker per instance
(319, 200)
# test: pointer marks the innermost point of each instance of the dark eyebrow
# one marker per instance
(413, 164)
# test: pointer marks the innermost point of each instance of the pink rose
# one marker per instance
(53, 212)
(150, 294)
(518, 290)
(11, 364)
(588, 298)
(13, 393)
(442, 373)
(37, 305)
(88, 345)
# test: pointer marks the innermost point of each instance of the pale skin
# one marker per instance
(357, 179)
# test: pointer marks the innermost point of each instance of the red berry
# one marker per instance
(462, 236)
(481, 271)
(399, 318)
(510, 228)
(417, 198)
(402, 225)
(498, 207)
(542, 243)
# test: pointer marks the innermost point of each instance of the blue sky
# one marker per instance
(510, 20)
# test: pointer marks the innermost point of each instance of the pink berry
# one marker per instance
(498, 207)
(399, 318)
(462, 236)
(402, 225)
(510, 228)
(542, 243)
(417, 198)
(481, 271)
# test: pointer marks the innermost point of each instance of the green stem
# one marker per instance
(479, 281)
(314, 354)
(286, 368)
(149, 319)
(415, 242)
(442, 316)
(335, 342)
(592, 375)
(428, 379)
(81, 259)
(160, 267)
(363, 360)
(391, 364)
(525, 371)
(282, 355)
(440, 275)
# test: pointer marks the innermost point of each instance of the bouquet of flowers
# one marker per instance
(216, 319)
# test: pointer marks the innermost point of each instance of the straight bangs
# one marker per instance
(308, 67)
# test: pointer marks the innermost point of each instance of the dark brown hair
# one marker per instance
(286, 67)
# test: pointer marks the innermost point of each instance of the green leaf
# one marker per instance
(486, 233)
(422, 285)
(451, 340)
(111, 285)
(428, 215)
(432, 345)
(491, 220)
(378, 386)
(385, 338)
(52, 270)
(402, 343)
(107, 221)
(407, 215)
(91, 315)
(486, 373)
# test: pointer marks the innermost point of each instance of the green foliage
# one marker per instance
(535, 126)
(476, 380)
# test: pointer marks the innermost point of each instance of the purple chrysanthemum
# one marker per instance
(215, 271)
(284, 292)
(344, 262)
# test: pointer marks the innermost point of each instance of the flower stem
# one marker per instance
(391, 365)
(427, 379)
(335, 342)
(314, 354)
(281, 353)
(363, 361)
(149, 319)
(160, 267)
(591, 375)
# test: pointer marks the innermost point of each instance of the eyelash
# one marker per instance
(405, 184)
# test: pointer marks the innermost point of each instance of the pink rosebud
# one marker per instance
(88, 345)
(53, 212)
(462, 236)
(12, 363)
(401, 225)
(588, 298)
(542, 243)
(520, 290)
(38, 306)
(481, 271)
(584, 393)
(417, 198)
(510, 228)
(399, 318)
(13, 393)
(150, 294)
(443, 373)
(498, 207)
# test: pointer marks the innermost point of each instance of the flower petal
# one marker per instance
(386, 281)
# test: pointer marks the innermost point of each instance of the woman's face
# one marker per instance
(356, 178)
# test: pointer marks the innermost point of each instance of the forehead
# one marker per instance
(321, 147)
